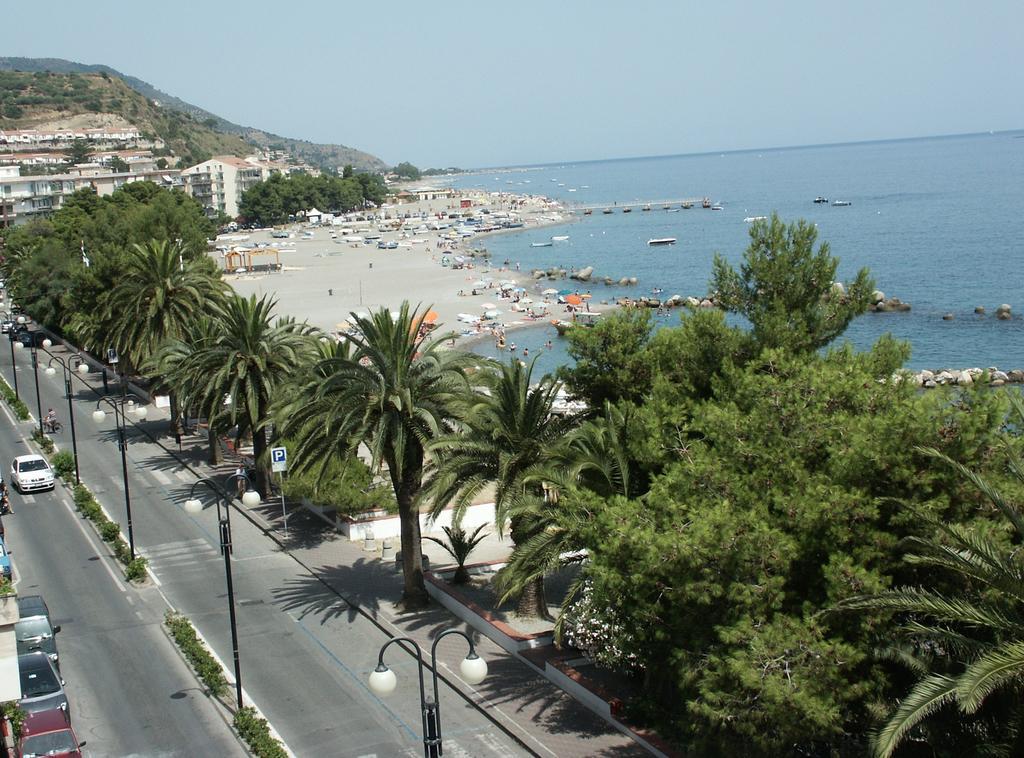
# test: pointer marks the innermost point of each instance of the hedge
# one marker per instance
(256, 733)
(198, 656)
(110, 531)
(19, 408)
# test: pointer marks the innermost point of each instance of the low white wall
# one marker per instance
(390, 526)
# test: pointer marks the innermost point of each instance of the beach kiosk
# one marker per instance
(314, 216)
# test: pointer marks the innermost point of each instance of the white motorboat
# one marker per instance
(752, 219)
(541, 244)
(840, 203)
(560, 238)
(662, 241)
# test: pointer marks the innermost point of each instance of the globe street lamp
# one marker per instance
(69, 365)
(194, 505)
(35, 371)
(120, 411)
(383, 682)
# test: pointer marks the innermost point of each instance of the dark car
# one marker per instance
(30, 338)
(35, 634)
(48, 733)
(42, 689)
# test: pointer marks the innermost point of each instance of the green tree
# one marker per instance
(78, 152)
(395, 392)
(248, 358)
(965, 643)
(610, 359)
(786, 289)
(406, 170)
(118, 166)
(509, 438)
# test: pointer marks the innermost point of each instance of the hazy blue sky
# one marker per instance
(484, 84)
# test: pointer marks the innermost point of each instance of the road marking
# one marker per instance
(9, 416)
(29, 498)
(106, 564)
(184, 475)
(118, 483)
(160, 476)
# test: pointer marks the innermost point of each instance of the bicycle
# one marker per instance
(53, 427)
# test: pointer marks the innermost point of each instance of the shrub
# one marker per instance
(184, 635)
(256, 733)
(19, 408)
(64, 465)
(122, 552)
(136, 570)
(82, 495)
(13, 713)
(43, 441)
(110, 531)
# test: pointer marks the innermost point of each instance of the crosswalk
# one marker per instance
(180, 555)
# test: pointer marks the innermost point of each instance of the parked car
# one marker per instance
(5, 561)
(42, 689)
(48, 733)
(31, 338)
(34, 631)
(6, 324)
(30, 473)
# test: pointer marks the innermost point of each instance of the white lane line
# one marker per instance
(184, 475)
(8, 414)
(117, 580)
(160, 476)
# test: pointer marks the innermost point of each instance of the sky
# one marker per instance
(479, 84)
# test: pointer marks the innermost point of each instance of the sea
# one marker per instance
(937, 221)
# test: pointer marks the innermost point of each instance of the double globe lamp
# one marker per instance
(250, 498)
(383, 681)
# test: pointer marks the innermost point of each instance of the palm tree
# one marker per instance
(510, 439)
(394, 392)
(969, 647)
(459, 546)
(247, 358)
(158, 297)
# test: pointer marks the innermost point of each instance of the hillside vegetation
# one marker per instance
(323, 155)
(40, 99)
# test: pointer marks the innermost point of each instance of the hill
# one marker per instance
(199, 120)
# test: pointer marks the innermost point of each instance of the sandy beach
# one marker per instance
(323, 278)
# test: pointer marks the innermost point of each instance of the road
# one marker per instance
(129, 691)
(306, 671)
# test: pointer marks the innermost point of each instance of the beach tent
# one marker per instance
(313, 216)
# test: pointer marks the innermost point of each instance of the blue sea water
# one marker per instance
(937, 221)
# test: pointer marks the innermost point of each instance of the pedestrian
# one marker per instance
(240, 480)
(526, 352)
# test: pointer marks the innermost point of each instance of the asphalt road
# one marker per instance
(304, 656)
(129, 691)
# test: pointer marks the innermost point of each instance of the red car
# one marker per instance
(48, 733)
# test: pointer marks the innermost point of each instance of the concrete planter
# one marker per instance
(383, 525)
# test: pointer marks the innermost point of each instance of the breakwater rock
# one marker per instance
(992, 376)
(585, 274)
(882, 304)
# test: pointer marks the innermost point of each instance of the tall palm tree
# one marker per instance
(248, 358)
(158, 297)
(968, 648)
(510, 438)
(393, 392)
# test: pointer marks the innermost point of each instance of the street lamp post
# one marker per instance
(35, 372)
(120, 417)
(69, 365)
(15, 343)
(194, 505)
(383, 682)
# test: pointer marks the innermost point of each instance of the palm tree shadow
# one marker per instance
(339, 594)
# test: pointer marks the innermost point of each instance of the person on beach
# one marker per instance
(526, 352)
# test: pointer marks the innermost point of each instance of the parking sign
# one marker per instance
(279, 459)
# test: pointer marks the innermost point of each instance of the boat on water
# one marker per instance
(840, 203)
(627, 210)
(662, 241)
(717, 207)
(607, 211)
(587, 212)
(705, 203)
(686, 206)
(560, 238)
(646, 208)
(666, 207)
(673, 210)
(819, 200)
(751, 219)
(541, 244)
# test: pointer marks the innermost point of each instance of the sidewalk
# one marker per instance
(343, 579)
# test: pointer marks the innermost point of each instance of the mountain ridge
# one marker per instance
(322, 155)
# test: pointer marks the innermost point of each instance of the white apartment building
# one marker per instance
(218, 184)
(23, 198)
(21, 138)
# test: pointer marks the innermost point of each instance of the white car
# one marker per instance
(30, 473)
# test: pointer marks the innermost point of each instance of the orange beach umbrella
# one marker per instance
(573, 299)
(430, 317)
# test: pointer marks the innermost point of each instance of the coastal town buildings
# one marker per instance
(218, 184)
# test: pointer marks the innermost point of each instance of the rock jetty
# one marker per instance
(992, 376)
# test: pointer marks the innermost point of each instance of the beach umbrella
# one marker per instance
(430, 318)
(564, 292)
(487, 306)
(492, 314)
(573, 299)
(587, 296)
(549, 291)
(343, 326)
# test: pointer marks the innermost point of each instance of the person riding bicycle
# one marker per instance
(50, 420)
